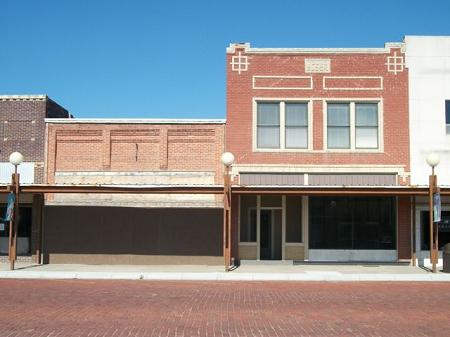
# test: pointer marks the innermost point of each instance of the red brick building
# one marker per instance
(22, 128)
(319, 117)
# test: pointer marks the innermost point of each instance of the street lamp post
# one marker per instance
(227, 159)
(433, 161)
(16, 158)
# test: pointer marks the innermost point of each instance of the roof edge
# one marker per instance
(231, 49)
(132, 121)
(23, 97)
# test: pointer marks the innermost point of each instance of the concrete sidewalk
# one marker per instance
(260, 272)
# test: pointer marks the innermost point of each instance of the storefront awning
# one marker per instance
(236, 189)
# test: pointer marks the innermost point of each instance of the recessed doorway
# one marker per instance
(271, 234)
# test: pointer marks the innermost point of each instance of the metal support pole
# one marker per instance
(436, 232)
(16, 211)
(14, 223)
(227, 218)
(413, 231)
(11, 232)
(432, 188)
(39, 219)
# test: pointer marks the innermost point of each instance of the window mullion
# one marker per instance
(352, 126)
(282, 125)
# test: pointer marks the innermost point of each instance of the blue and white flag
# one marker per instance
(10, 208)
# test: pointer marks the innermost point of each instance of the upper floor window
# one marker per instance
(352, 125)
(338, 132)
(282, 125)
(447, 117)
(366, 125)
(296, 125)
(268, 125)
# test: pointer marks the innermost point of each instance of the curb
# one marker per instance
(222, 276)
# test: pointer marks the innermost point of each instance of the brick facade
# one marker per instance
(135, 148)
(404, 228)
(161, 229)
(267, 72)
(22, 128)
(318, 77)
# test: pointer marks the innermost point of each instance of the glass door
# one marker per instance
(270, 231)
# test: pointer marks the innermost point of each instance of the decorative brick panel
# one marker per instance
(135, 147)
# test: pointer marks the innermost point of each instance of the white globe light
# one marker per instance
(16, 158)
(227, 158)
(433, 159)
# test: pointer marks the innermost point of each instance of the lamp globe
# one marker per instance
(16, 158)
(433, 159)
(227, 158)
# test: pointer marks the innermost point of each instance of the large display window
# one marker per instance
(352, 223)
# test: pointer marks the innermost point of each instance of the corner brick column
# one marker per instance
(36, 226)
(107, 149)
(404, 228)
(164, 148)
(318, 125)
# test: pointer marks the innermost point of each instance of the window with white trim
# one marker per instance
(338, 131)
(353, 125)
(268, 125)
(282, 125)
(366, 125)
(296, 125)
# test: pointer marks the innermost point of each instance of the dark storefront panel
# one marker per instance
(352, 223)
(293, 219)
(444, 230)
(24, 229)
(114, 235)
(248, 219)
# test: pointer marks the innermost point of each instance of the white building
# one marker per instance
(428, 63)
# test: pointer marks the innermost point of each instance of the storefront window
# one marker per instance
(248, 219)
(24, 229)
(352, 223)
(444, 230)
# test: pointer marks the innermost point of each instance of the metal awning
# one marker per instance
(236, 189)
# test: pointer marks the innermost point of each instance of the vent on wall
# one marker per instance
(318, 179)
(285, 179)
(352, 179)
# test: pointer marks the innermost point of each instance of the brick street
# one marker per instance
(143, 308)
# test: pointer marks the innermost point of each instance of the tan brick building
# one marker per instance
(134, 228)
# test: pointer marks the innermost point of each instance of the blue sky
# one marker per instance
(166, 59)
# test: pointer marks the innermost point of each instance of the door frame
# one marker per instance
(423, 256)
(259, 208)
(272, 242)
(303, 223)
